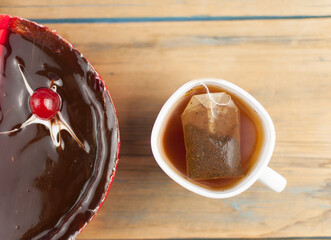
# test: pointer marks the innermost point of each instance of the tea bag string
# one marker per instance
(211, 97)
(213, 102)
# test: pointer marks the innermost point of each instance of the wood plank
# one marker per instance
(144, 203)
(165, 8)
(284, 64)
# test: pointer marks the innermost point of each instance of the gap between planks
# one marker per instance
(172, 19)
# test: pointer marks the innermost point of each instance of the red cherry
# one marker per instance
(45, 103)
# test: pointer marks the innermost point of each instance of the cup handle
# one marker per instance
(273, 180)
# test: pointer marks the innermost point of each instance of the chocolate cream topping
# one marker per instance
(48, 190)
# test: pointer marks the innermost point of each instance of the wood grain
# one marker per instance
(284, 64)
(164, 8)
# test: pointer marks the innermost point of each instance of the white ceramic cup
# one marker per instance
(260, 170)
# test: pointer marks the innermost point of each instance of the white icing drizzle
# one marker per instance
(24, 80)
(55, 125)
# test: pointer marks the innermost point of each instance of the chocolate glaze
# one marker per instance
(49, 192)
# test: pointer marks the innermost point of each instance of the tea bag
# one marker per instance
(212, 137)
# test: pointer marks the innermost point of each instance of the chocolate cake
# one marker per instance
(59, 137)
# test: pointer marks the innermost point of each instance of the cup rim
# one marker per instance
(263, 158)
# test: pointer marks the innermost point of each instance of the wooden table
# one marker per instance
(279, 51)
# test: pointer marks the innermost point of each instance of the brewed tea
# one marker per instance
(251, 138)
